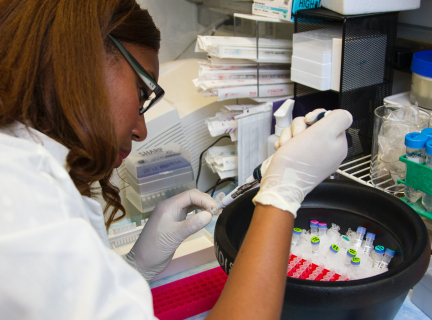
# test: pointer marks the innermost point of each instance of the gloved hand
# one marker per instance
(301, 163)
(166, 229)
(298, 125)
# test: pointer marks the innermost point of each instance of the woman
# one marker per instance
(71, 102)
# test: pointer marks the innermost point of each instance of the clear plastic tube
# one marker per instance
(322, 229)
(314, 227)
(370, 237)
(415, 151)
(388, 255)
(315, 242)
(351, 253)
(359, 236)
(378, 255)
(333, 250)
(345, 243)
(355, 265)
(296, 236)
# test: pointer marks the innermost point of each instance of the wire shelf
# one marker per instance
(359, 170)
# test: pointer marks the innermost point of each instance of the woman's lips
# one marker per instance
(124, 154)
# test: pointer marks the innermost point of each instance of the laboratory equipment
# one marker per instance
(368, 245)
(346, 204)
(284, 118)
(351, 253)
(314, 227)
(415, 144)
(296, 236)
(359, 236)
(388, 255)
(348, 7)
(391, 124)
(322, 228)
(345, 243)
(189, 296)
(315, 242)
(421, 83)
(360, 83)
(378, 255)
(355, 264)
(282, 9)
(333, 250)
(427, 199)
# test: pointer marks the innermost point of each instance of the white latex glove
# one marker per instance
(304, 161)
(166, 229)
(298, 125)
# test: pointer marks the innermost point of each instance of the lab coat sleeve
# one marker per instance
(53, 264)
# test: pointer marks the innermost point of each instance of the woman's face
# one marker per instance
(126, 91)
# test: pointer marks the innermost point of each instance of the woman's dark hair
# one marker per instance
(52, 78)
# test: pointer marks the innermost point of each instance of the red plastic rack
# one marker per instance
(189, 296)
(308, 271)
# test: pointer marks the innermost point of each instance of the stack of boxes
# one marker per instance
(312, 58)
(155, 175)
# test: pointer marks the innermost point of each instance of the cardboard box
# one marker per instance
(282, 9)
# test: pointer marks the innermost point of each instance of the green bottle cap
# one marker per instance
(315, 240)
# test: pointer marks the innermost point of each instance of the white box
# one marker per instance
(315, 45)
(349, 7)
(308, 66)
(310, 80)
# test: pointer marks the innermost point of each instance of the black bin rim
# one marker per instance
(418, 257)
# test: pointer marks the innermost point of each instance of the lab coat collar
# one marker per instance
(56, 149)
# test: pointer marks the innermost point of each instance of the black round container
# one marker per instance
(349, 205)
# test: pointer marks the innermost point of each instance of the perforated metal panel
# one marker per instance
(368, 45)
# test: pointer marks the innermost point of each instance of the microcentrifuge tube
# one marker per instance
(314, 227)
(388, 255)
(296, 236)
(322, 229)
(333, 250)
(378, 255)
(345, 243)
(370, 237)
(355, 265)
(315, 242)
(359, 236)
(351, 253)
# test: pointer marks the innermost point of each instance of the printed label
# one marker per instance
(352, 252)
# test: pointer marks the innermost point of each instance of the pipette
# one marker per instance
(254, 180)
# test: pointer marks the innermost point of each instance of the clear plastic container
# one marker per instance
(314, 227)
(322, 229)
(311, 67)
(378, 255)
(421, 81)
(359, 236)
(315, 242)
(147, 202)
(388, 145)
(296, 236)
(310, 80)
(315, 45)
(415, 151)
(159, 168)
(368, 246)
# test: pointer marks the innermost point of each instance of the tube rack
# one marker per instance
(308, 271)
(190, 296)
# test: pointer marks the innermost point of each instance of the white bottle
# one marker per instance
(283, 117)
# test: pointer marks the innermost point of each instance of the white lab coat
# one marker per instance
(55, 261)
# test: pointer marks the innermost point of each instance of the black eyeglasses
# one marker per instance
(157, 92)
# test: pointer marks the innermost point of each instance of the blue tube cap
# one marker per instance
(334, 248)
(389, 252)
(370, 235)
(355, 261)
(314, 223)
(379, 249)
(422, 63)
(429, 147)
(351, 253)
(428, 132)
(416, 140)
(361, 229)
(297, 231)
(322, 225)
